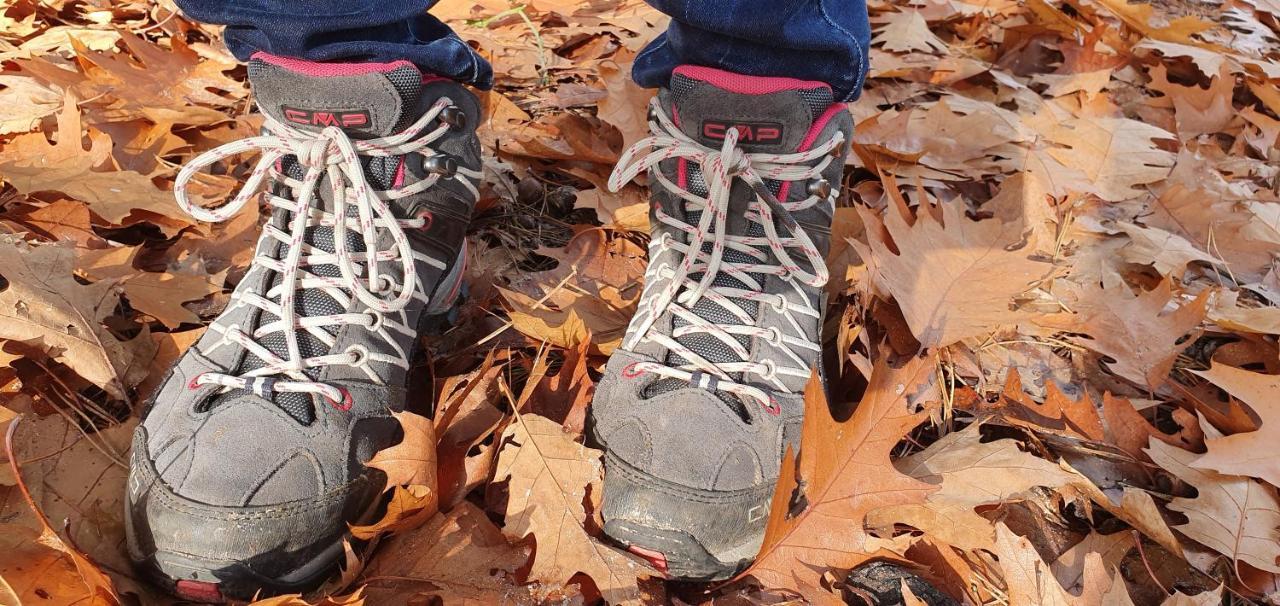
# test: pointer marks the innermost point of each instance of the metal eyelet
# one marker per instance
(427, 218)
(630, 371)
(442, 165)
(454, 117)
(194, 383)
(820, 188)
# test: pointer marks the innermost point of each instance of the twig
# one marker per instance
(1137, 540)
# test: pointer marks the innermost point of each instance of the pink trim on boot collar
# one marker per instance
(746, 85)
(330, 70)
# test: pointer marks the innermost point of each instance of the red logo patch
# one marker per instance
(321, 117)
(748, 132)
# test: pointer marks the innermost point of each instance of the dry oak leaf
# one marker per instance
(1198, 110)
(953, 277)
(549, 475)
(1115, 154)
(1234, 515)
(1138, 17)
(843, 471)
(355, 598)
(33, 573)
(968, 474)
(626, 104)
(31, 164)
(26, 103)
(907, 31)
(1135, 331)
(161, 295)
(1253, 453)
(43, 301)
(459, 556)
(412, 462)
(1027, 578)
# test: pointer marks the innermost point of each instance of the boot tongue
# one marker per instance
(770, 114)
(364, 99)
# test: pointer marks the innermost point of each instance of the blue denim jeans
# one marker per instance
(823, 40)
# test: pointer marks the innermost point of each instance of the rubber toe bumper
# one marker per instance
(687, 533)
(211, 553)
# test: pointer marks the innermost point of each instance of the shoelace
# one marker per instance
(719, 169)
(328, 153)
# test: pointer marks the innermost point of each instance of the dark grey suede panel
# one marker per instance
(277, 88)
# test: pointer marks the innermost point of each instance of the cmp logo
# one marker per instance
(748, 132)
(317, 117)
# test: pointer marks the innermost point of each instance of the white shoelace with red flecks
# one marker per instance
(329, 153)
(719, 169)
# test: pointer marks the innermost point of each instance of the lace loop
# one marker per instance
(795, 257)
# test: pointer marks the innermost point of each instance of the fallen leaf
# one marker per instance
(42, 301)
(161, 295)
(1251, 453)
(843, 472)
(30, 164)
(459, 556)
(968, 474)
(1233, 515)
(1135, 331)
(548, 476)
(953, 278)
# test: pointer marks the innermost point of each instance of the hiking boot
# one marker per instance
(249, 464)
(698, 405)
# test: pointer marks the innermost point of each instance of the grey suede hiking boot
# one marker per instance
(702, 399)
(250, 461)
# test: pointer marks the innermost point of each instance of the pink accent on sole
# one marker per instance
(655, 558)
(330, 70)
(746, 85)
(199, 591)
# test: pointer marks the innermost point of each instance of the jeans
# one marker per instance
(823, 40)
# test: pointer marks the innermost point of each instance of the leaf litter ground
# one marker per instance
(1051, 336)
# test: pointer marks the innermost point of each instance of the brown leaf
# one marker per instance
(161, 295)
(459, 556)
(1233, 515)
(846, 473)
(1135, 331)
(412, 462)
(953, 277)
(1116, 154)
(1251, 453)
(1138, 16)
(1027, 578)
(43, 302)
(31, 164)
(968, 474)
(907, 31)
(626, 104)
(548, 475)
